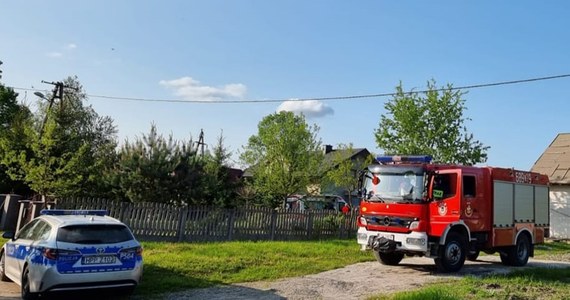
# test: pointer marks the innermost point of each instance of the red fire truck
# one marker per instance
(413, 207)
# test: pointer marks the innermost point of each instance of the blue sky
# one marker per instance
(253, 50)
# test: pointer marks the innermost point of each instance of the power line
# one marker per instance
(350, 97)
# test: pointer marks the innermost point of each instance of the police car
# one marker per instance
(63, 250)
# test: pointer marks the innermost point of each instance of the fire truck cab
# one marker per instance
(410, 206)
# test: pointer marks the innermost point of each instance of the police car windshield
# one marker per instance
(94, 234)
(395, 187)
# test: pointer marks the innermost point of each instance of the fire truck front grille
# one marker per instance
(389, 221)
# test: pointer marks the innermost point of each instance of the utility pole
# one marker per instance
(200, 143)
(57, 93)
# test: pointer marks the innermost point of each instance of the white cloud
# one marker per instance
(190, 89)
(309, 108)
(54, 54)
(59, 54)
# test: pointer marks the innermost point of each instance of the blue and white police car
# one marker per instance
(64, 250)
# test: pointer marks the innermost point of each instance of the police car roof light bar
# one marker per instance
(404, 158)
(74, 212)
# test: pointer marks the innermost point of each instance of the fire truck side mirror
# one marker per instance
(375, 180)
(433, 191)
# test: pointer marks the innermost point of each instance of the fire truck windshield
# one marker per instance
(391, 184)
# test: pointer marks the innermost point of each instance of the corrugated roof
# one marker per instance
(555, 161)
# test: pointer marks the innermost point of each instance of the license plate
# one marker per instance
(387, 236)
(99, 260)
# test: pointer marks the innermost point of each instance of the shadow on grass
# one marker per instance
(489, 266)
(163, 283)
(158, 280)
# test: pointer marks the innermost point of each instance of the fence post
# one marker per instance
(342, 225)
(273, 224)
(21, 212)
(182, 223)
(231, 220)
(124, 206)
(310, 225)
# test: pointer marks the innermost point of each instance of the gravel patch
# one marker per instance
(357, 281)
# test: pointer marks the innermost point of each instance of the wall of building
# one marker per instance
(560, 211)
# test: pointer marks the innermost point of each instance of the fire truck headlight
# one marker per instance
(363, 221)
(416, 241)
(414, 225)
(362, 237)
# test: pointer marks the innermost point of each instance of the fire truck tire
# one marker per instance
(452, 255)
(518, 254)
(389, 259)
(472, 255)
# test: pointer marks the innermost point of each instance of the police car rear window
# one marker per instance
(94, 234)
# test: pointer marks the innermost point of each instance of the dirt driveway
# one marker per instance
(356, 281)
(9, 290)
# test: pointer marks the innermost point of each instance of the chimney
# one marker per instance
(328, 149)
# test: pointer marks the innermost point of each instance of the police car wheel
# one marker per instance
(26, 294)
(3, 276)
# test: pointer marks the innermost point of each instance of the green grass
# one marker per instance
(172, 267)
(536, 283)
(553, 250)
(176, 266)
(533, 283)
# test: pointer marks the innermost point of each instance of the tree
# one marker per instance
(430, 123)
(158, 169)
(218, 184)
(12, 117)
(343, 171)
(284, 157)
(68, 153)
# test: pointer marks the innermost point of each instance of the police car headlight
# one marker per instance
(363, 221)
(414, 225)
(416, 241)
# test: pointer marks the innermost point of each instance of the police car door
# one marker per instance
(19, 249)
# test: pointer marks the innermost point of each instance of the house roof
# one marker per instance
(345, 154)
(555, 161)
(328, 159)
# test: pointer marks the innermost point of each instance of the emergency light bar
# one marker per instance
(404, 158)
(73, 212)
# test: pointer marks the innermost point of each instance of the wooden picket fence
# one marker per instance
(163, 222)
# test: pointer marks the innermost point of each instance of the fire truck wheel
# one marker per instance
(518, 254)
(452, 254)
(472, 256)
(389, 259)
